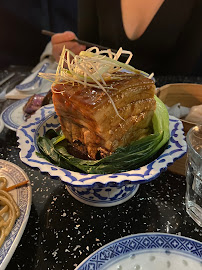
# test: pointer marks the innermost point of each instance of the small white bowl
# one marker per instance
(96, 189)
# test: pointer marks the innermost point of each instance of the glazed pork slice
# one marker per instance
(90, 122)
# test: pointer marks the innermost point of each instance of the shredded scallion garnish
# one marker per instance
(93, 68)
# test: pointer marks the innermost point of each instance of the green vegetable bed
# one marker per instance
(135, 155)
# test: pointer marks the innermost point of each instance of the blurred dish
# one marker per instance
(187, 94)
(147, 251)
(22, 196)
(33, 85)
(13, 115)
(94, 189)
(1, 125)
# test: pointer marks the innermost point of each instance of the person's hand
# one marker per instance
(64, 39)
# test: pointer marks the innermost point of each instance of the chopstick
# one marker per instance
(9, 76)
(47, 33)
(82, 42)
(20, 184)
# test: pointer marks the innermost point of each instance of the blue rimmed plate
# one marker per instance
(147, 251)
(96, 189)
(23, 198)
(13, 115)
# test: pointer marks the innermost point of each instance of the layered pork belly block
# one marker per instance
(90, 122)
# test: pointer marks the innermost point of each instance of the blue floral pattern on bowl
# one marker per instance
(167, 246)
(81, 183)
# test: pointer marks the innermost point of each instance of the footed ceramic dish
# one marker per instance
(96, 189)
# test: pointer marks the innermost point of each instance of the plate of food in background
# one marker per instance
(184, 101)
(15, 196)
(18, 112)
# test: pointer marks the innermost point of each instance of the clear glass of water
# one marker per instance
(193, 195)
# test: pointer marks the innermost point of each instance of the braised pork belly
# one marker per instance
(90, 122)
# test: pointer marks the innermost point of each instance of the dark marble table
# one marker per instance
(61, 231)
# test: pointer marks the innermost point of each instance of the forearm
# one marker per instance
(137, 15)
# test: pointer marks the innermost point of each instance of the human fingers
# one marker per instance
(72, 46)
(62, 37)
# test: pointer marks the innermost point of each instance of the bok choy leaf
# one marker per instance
(133, 156)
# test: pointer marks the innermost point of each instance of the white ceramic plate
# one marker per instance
(1, 125)
(147, 251)
(13, 115)
(23, 197)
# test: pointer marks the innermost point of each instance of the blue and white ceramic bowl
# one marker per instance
(153, 251)
(96, 189)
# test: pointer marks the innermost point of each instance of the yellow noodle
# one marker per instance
(3, 210)
(2, 236)
(9, 211)
(10, 198)
(3, 182)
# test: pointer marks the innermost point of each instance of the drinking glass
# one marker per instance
(193, 197)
